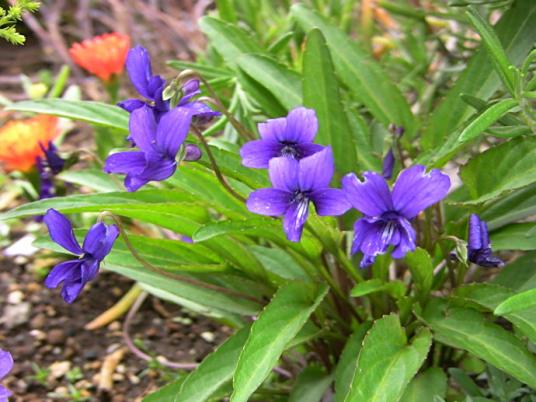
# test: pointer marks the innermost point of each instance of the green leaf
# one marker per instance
(214, 372)
(284, 84)
(516, 236)
(494, 47)
(394, 288)
(519, 275)
(275, 327)
(279, 263)
(469, 330)
(359, 72)
(94, 179)
(486, 119)
(489, 296)
(516, 303)
(321, 93)
(422, 271)
(100, 114)
(228, 40)
(478, 79)
(311, 385)
(426, 386)
(344, 373)
(386, 362)
(513, 165)
(226, 10)
(166, 393)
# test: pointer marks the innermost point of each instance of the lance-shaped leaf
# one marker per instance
(517, 303)
(321, 93)
(311, 385)
(426, 386)
(359, 72)
(276, 326)
(386, 362)
(469, 330)
(100, 114)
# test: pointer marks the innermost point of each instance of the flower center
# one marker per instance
(300, 197)
(289, 150)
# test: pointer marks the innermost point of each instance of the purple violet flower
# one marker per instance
(192, 153)
(52, 160)
(149, 86)
(479, 247)
(295, 184)
(158, 145)
(48, 167)
(6, 364)
(290, 136)
(74, 274)
(388, 165)
(387, 214)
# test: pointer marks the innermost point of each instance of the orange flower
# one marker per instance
(102, 55)
(20, 140)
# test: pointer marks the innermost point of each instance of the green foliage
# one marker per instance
(10, 16)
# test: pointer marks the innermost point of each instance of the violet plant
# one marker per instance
(356, 262)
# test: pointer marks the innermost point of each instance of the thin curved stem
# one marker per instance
(215, 167)
(172, 275)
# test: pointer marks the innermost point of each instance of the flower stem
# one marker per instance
(172, 275)
(215, 167)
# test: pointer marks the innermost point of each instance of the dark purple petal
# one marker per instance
(6, 363)
(189, 89)
(269, 201)
(294, 220)
(371, 239)
(156, 170)
(316, 171)
(330, 202)
(125, 163)
(160, 105)
(138, 65)
(142, 127)
(99, 240)
(71, 290)
(63, 272)
(307, 149)
(388, 165)
(52, 160)
(172, 130)
(89, 270)
(61, 231)
(407, 239)
(415, 190)
(134, 182)
(201, 113)
(371, 196)
(257, 154)
(283, 173)
(131, 104)
(192, 153)
(302, 126)
(273, 129)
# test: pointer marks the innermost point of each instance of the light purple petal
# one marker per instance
(273, 129)
(156, 170)
(294, 220)
(308, 149)
(131, 104)
(4, 394)
(64, 271)
(125, 162)
(388, 165)
(202, 113)
(371, 196)
(134, 182)
(99, 240)
(316, 171)
(172, 130)
(330, 202)
(192, 153)
(89, 270)
(138, 65)
(284, 173)
(142, 127)
(415, 190)
(61, 231)
(475, 233)
(407, 239)
(6, 363)
(257, 154)
(269, 201)
(302, 126)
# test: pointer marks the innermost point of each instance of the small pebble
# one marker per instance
(56, 337)
(15, 297)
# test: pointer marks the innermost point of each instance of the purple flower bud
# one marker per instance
(6, 365)
(53, 161)
(388, 165)
(74, 274)
(192, 153)
(478, 244)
